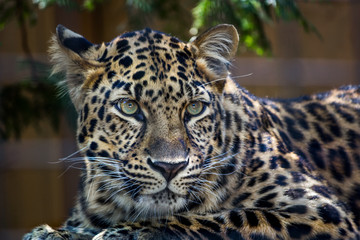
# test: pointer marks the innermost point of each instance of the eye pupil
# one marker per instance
(195, 108)
(128, 107)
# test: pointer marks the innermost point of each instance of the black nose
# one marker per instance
(168, 170)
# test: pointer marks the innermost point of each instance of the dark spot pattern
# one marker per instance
(138, 75)
(295, 193)
(266, 201)
(298, 230)
(236, 219)
(126, 61)
(315, 153)
(329, 214)
(298, 209)
(273, 221)
(271, 187)
(252, 219)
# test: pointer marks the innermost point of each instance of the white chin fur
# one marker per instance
(164, 203)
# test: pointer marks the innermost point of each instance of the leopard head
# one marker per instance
(150, 117)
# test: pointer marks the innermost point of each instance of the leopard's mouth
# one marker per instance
(167, 191)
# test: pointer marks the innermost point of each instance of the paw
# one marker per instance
(48, 233)
(113, 233)
(140, 234)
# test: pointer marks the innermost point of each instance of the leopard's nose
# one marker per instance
(168, 170)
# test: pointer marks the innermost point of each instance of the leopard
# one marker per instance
(174, 148)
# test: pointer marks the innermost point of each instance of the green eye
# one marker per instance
(195, 108)
(127, 106)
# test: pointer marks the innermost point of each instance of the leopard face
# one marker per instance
(149, 114)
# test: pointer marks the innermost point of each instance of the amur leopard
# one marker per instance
(175, 149)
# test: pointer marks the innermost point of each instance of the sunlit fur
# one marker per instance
(242, 168)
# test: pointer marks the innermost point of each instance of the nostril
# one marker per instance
(168, 170)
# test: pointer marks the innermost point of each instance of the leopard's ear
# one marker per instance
(215, 48)
(74, 55)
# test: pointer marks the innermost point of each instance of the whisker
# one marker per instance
(72, 167)
(219, 155)
(217, 164)
(133, 218)
(89, 191)
(209, 168)
(114, 192)
(205, 189)
(73, 154)
(221, 79)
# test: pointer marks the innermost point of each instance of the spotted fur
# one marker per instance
(242, 167)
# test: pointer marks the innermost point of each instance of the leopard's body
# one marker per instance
(175, 149)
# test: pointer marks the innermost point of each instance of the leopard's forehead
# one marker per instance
(141, 61)
(152, 54)
(147, 37)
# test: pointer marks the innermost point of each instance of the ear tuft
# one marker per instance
(74, 55)
(71, 40)
(216, 47)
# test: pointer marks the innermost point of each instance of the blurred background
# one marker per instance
(287, 49)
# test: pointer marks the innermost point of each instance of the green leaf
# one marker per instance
(249, 16)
